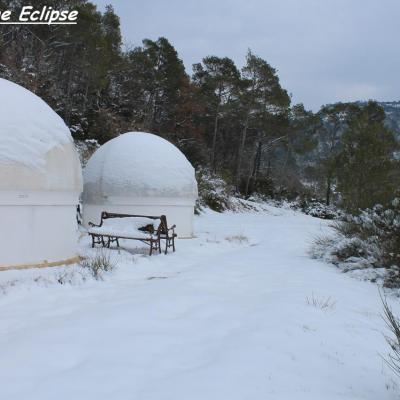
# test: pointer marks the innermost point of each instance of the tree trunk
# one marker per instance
(214, 144)
(256, 165)
(257, 162)
(241, 150)
(328, 190)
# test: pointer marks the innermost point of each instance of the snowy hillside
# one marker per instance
(240, 312)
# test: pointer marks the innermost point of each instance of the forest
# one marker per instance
(238, 124)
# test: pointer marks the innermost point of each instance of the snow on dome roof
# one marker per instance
(29, 128)
(138, 164)
(36, 148)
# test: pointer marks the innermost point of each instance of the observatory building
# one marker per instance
(143, 174)
(40, 182)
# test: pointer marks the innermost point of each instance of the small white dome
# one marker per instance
(138, 165)
(37, 153)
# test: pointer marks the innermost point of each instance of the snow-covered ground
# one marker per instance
(236, 313)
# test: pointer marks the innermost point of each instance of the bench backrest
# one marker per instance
(162, 225)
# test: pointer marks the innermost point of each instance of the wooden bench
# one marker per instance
(146, 228)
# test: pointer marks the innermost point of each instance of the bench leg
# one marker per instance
(151, 248)
(173, 243)
(112, 240)
(97, 240)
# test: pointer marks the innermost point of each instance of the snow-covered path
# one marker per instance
(221, 319)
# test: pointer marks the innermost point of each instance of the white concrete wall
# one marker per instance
(33, 234)
(180, 215)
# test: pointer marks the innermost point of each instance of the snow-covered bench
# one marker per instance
(147, 229)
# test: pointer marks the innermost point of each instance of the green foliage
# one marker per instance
(217, 80)
(366, 161)
(333, 120)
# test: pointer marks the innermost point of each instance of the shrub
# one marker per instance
(378, 230)
(98, 264)
(214, 192)
(350, 248)
(318, 209)
(370, 239)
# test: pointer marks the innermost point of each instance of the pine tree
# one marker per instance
(334, 120)
(218, 80)
(366, 161)
(265, 106)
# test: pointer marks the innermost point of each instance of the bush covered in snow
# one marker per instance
(317, 209)
(214, 192)
(368, 240)
(320, 210)
(218, 195)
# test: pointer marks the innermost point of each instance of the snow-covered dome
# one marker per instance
(37, 152)
(138, 165)
(40, 182)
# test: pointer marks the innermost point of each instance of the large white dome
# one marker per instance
(37, 152)
(40, 182)
(138, 165)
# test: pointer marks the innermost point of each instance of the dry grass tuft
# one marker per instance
(98, 264)
(240, 239)
(322, 303)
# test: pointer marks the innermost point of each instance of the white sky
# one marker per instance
(324, 50)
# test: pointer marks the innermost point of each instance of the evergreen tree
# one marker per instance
(265, 106)
(218, 80)
(366, 161)
(334, 120)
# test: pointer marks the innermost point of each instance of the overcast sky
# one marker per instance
(324, 50)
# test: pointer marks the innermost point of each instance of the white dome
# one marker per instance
(37, 153)
(40, 182)
(138, 165)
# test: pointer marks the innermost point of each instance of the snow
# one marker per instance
(29, 128)
(126, 227)
(160, 169)
(234, 314)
